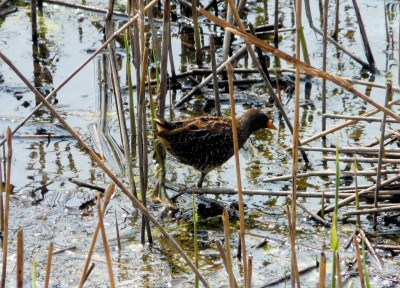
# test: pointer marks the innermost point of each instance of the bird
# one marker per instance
(206, 142)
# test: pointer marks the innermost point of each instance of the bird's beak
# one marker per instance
(270, 125)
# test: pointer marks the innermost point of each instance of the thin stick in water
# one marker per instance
(105, 242)
(229, 69)
(6, 208)
(48, 265)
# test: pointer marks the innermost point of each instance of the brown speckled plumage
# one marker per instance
(206, 142)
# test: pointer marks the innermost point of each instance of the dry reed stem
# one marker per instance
(359, 261)
(345, 124)
(107, 196)
(312, 214)
(214, 75)
(117, 231)
(353, 150)
(381, 150)
(358, 118)
(371, 249)
(227, 233)
(330, 173)
(2, 188)
(48, 265)
(20, 258)
(360, 193)
(372, 210)
(105, 242)
(97, 160)
(229, 69)
(347, 191)
(295, 277)
(324, 61)
(322, 270)
(363, 160)
(7, 207)
(224, 257)
(164, 57)
(367, 47)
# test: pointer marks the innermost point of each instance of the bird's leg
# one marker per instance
(200, 183)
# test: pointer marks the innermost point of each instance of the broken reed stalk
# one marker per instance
(214, 75)
(336, 31)
(107, 196)
(224, 258)
(134, 41)
(371, 249)
(227, 233)
(367, 48)
(117, 231)
(372, 210)
(105, 242)
(80, 67)
(358, 118)
(2, 188)
(229, 69)
(307, 69)
(359, 261)
(324, 62)
(48, 265)
(276, 23)
(195, 238)
(89, 271)
(329, 173)
(322, 270)
(250, 270)
(295, 277)
(312, 214)
(164, 57)
(226, 46)
(381, 153)
(227, 191)
(6, 208)
(362, 192)
(20, 258)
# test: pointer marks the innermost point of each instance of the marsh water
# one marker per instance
(65, 214)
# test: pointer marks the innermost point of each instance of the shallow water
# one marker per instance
(66, 37)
